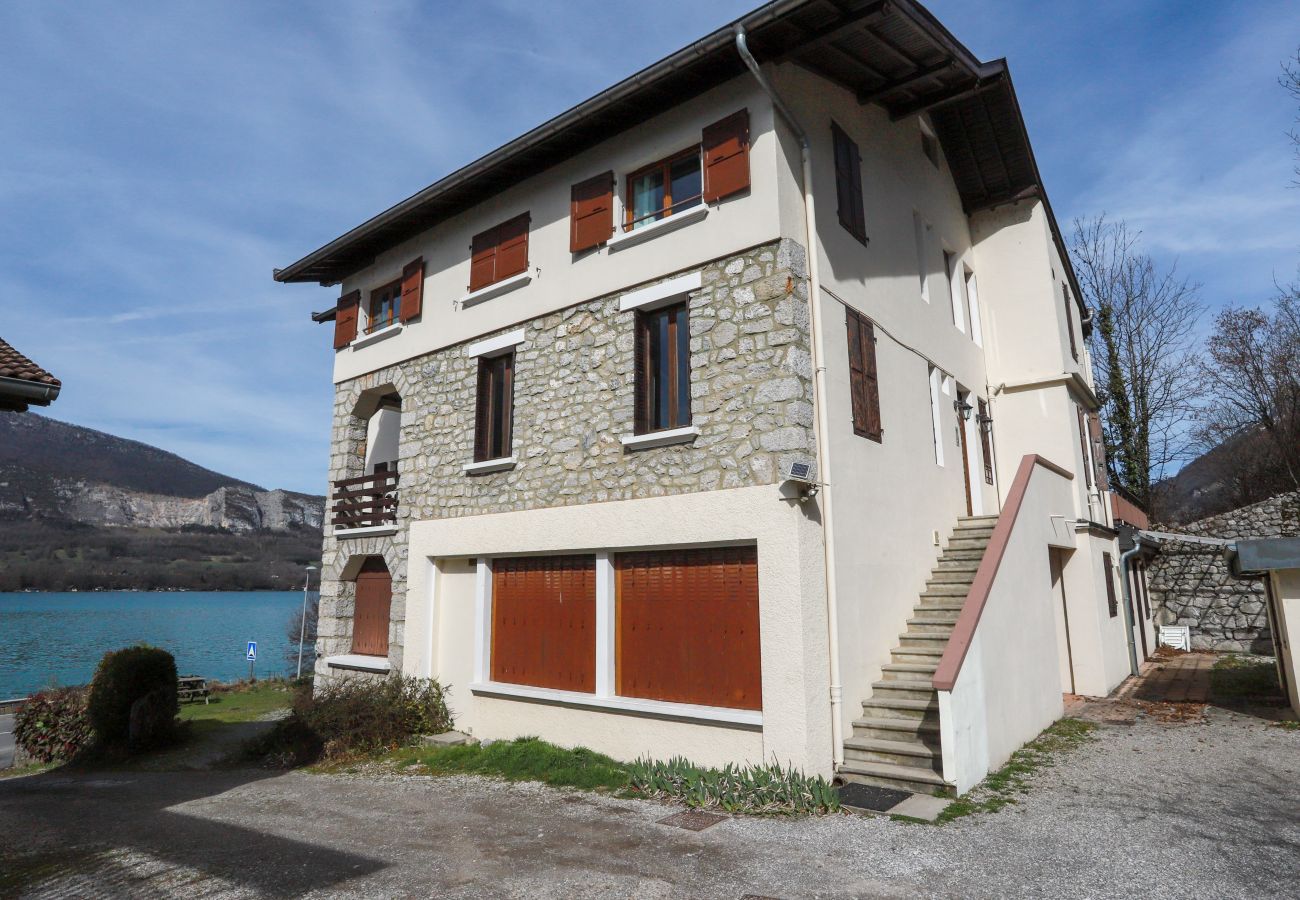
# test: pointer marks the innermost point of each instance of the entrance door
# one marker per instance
(1056, 564)
(374, 597)
(962, 399)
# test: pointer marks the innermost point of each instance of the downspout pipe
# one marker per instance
(1124, 579)
(819, 393)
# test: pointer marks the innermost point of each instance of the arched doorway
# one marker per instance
(374, 597)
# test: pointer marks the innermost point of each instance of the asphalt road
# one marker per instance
(6, 741)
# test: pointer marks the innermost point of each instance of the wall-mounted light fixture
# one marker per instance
(963, 408)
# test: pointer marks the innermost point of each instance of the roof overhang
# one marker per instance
(893, 53)
(1256, 557)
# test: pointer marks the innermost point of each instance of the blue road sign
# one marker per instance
(252, 650)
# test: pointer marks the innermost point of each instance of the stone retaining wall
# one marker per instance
(1190, 583)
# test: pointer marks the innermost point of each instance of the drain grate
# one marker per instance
(693, 819)
(869, 796)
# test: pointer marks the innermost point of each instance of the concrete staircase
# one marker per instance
(896, 742)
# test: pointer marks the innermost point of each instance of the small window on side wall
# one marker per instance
(494, 410)
(864, 385)
(663, 369)
(929, 144)
(668, 186)
(848, 184)
(499, 253)
(385, 307)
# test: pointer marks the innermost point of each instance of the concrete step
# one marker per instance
(906, 778)
(898, 689)
(896, 753)
(958, 565)
(923, 639)
(991, 517)
(908, 671)
(927, 654)
(966, 542)
(930, 605)
(975, 529)
(945, 590)
(896, 728)
(928, 624)
(885, 708)
(963, 554)
(950, 576)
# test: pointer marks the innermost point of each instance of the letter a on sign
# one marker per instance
(252, 650)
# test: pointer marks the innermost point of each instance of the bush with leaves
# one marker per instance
(125, 677)
(766, 789)
(356, 715)
(53, 725)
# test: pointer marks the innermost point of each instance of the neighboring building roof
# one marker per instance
(22, 382)
(890, 52)
(1251, 558)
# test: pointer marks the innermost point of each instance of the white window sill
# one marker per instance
(661, 294)
(376, 336)
(660, 438)
(489, 465)
(717, 715)
(504, 286)
(343, 534)
(496, 345)
(358, 663)
(625, 239)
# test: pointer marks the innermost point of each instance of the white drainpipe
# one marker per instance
(819, 394)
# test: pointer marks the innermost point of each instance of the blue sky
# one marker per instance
(157, 160)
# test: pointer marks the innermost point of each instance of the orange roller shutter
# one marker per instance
(512, 247)
(726, 156)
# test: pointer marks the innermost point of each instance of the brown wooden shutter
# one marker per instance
(1111, 603)
(345, 319)
(591, 213)
(1083, 445)
(544, 622)
(506, 414)
(1098, 451)
(1069, 322)
(483, 259)
(864, 384)
(512, 247)
(482, 410)
(872, 383)
(412, 289)
(687, 627)
(726, 156)
(640, 374)
(848, 184)
(373, 601)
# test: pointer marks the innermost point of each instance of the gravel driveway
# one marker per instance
(1146, 810)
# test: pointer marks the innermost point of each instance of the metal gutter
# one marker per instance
(29, 391)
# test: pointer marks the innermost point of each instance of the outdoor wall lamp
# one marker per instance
(963, 408)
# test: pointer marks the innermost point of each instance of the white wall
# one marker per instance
(1286, 595)
(383, 434)
(560, 278)
(792, 621)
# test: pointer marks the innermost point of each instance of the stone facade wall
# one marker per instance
(1190, 583)
(751, 389)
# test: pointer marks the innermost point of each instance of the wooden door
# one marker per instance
(965, 452)
(374, 597)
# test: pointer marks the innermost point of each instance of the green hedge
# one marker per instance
(53, 725)
(128, 676)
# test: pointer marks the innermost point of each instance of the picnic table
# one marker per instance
(191, 687)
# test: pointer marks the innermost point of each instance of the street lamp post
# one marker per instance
(302, 625)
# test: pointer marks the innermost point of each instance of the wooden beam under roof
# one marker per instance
(849, 22)
(943, 97)
(908, 81)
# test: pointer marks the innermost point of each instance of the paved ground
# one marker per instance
(6, 741)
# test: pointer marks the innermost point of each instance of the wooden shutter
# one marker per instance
(512, 247)
(687, 627)
(1083, 445)
(591, 213)
(412, 289)
(345, 319)
(483, 259)
(986, 442)
(726, 156)
(1109, 567)
(544, 622)
(640, 374)
(373, 601)
(848, 184)
(1069, 322)
(1098, 451)
(864, 383)
(482, 410)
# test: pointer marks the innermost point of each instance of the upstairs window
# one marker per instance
(1069, 322)
(848, 184)
(864, 384)
(929, 144)
(385, 307)
(663, 369)
(921, 238)
(668, 186)
(494, 410)
(499, 253)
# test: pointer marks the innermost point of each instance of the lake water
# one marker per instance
(58, 639)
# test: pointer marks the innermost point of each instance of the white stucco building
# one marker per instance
(741, 412)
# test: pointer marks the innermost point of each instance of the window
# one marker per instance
(1108, 566)
(929, 144)
(848, 184)
(687, 627)
(494, 408)
(663, 369)
(385, 307)
(936, 382)
(1083, 447)
(544, 622)
(973, 301)
(670, 185)
(371, 606)
(1069, 322)
(986, 439)
(499, 253)
(864, 385)
(952, 270)
(921, 235)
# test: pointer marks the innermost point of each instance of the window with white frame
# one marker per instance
(952, 274)
(936, 388)
(973, 303)
(921, 235)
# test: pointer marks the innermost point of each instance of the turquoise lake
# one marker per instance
(57, 639)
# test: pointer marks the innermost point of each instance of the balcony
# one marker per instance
(365, 505)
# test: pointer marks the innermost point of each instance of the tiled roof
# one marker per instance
(14, 365)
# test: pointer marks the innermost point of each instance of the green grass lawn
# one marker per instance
(246, 704)
(1242, 680)
(524, 759)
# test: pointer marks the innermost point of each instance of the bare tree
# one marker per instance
(1144, 352)
(1253, 381)
(1290, 80)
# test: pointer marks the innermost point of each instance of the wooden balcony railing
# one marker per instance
(366, 501)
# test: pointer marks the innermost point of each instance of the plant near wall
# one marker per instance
(53, 725)
(133, 697)
(758, 789)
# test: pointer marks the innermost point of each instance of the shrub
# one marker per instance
(53, 725)
(749, 789)
(153, 720)
(123, 677)
(356, 716)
